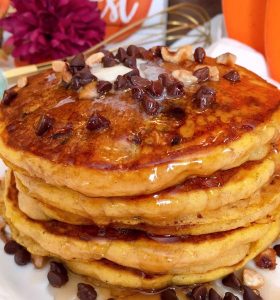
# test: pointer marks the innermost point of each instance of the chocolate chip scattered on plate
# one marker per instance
(277, 249)
(22, 257)
(11, 247)
(232, 281)
(249, 294)
(86, 292)
(213, 295)
(169, 294)
(230, 296)
(57, 275)
(199, 293)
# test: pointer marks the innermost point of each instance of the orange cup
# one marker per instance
(121, 13)
(271, 36)
(244, 20)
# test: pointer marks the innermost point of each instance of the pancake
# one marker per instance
(117, 275)
(135, 249)
(238, 214)
(169, 207)
(138, 149)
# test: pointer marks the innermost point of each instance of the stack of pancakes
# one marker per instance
(181, 196)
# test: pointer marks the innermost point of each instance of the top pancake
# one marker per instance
(136, 155)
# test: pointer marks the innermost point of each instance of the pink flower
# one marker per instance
(53, 29)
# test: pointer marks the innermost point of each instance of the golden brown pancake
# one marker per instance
(118, 275)
(239, 127)
(182, 204)
(134, 248)
(239, 214)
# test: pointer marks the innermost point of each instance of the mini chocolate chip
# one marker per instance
(169, 294)
(11, 247)
(97, 121)
(22, 257)
(232, 76)
(232, 281)
(177, 113)
(199, 293)
(265, 263)
(249, 294)
(150, 106)
(121, 55)
(57, 275)
(108, 62)
(165, 79)
(86, 292)
(82, 78)
(63, 132)
(175, 89)
(56, 279)
(202, 74)
(230, 296)
(199, 55)
(205, 97)
(133, 50)
(176, 140)
(134, 72)
(213, 295)
(77, 63)
(277, 249)
(266, 259)
(140, 81)
(121, 83)
(156, 51)
(156, 88)
(57, 267)
(103, 86)
(107, 53)
(74, 83)
(9, 96)
(137, 93)
(45, 123)
(130, 62)
(146, 54)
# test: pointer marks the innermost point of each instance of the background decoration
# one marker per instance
(118, 14)
(161, 26)
(51, 29)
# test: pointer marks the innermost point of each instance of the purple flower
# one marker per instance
(53, 29)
